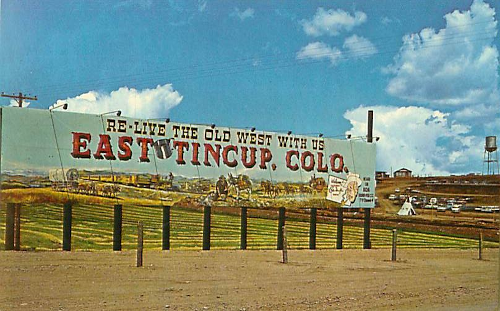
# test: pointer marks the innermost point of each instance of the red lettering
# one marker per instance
(144, 143)
(333, 159)
(81, 140)
(124, 143)
(180, 145)
(265, 157)
(214, 153)
(289, 155)
(104, 146)
(196, 147)
(225, 154)
(307, 167)
(321, 168)
(251, 163)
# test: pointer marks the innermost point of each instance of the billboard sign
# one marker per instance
(76, 153)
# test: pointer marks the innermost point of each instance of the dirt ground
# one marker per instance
(250, 280)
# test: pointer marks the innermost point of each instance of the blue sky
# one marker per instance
(429, 69)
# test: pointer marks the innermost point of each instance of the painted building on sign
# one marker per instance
(402, 173)
(116, 156)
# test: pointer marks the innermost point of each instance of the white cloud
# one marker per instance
(141, 4)
(492, 127)
(359, 47)
(386, 20)
(202, 5)
(423, 140)
(14, 103)
(243, 15)
(454, 66)
(332, 22)
(145, 103)
(319, 50)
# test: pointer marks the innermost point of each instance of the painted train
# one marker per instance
(104, 184)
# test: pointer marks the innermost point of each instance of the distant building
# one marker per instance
(379, 175)
(402, 172)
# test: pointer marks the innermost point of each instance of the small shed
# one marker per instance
(379, 175)
(402, 172)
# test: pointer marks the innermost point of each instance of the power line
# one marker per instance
(272, 64)
(242, 62)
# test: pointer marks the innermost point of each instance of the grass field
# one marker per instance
(41, 229)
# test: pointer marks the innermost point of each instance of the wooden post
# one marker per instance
(17, 227)
(67, 222)
(394, 243)
(117, 229)
(281, 224)
(366, 236)
(340, 227)
(312, 228)
(243, 235)
(285, 246)
(206, 228)
(166, 229)
(9, 227)
(480, 245)
(140, 243)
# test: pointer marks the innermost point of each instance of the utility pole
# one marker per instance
(19, 98)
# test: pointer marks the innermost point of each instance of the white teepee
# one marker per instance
(407, 209)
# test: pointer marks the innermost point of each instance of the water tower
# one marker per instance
(490, 157)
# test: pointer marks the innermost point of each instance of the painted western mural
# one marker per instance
(125, 158)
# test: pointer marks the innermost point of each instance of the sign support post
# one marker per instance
(9, 227)
(312, 228)
(166, 228)
(243, 237)
(206, 228)
(117, 228)
(340, 227)
(281, 224)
